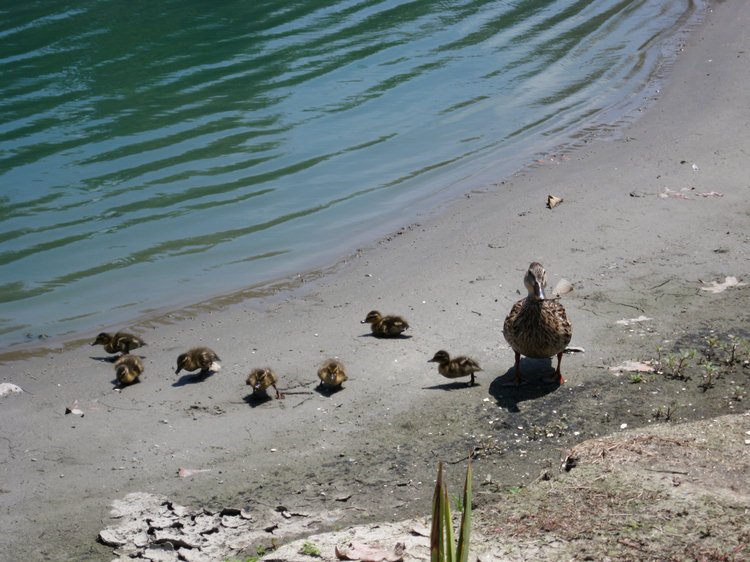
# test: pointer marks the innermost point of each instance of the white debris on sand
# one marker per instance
(716, 287)
(9, 388)
(150, 527)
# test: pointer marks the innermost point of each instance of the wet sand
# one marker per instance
(648, 220)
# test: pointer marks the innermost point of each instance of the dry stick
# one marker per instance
(667, 471)
(631, 545)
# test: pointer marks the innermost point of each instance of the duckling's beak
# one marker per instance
(363, 322)
(538, 291)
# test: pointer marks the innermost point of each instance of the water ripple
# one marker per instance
(176, 150)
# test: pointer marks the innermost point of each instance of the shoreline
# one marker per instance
(454, 276)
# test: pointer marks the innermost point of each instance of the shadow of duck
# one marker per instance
(257, 398)
(192, 378)
(534, 370)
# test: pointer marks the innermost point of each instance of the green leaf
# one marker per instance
(464, 535)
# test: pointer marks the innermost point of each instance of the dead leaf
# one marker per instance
(563, 287)
(185, 472)
(716, 287)
(634, 367)
(420, 529)
(74, 410)
(367, 553)
(675, 194)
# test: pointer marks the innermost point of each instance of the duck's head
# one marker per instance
(103, 338)
(183, 362)
(333, 366)
(535, 281)
(373, 317)
(257, 377)
(440, 357)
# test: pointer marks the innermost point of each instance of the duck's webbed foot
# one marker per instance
(556, 377)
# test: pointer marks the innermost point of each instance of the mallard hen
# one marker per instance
(537, 327)
(127, 369)
(332, 373)
(456, 367)
(198, 358)
(260, 379)
(121, 342)
(385, 326)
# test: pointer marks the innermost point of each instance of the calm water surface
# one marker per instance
(158, 153)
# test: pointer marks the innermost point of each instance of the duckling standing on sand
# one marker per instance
(332, 373)
(127, 369)
(260, 379)
(454, 368)
(385, 326)
(537, 327)
(121, 342)
(198, 358)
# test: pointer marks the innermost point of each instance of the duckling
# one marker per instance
(198, 358)
(128, 368)
(385, 326)
(457, 367)
(260, 379)
(537, 327)
(332, 373)
(121, 342)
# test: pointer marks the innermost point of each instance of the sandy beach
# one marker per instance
(650, 218)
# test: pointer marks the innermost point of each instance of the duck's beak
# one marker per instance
(538, 291)
(363, 321)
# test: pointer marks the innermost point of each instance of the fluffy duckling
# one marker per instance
(198, 358)
(127, 369)
(332, 373)
(457, 367)
(537, 327)
(121, 342)
(260, 379)
(385, 326)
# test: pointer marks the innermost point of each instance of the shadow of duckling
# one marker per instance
(193, 378)
(257, 398)
(449, 386)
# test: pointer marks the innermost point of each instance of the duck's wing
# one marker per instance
(467, 363)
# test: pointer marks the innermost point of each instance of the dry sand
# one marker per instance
(648, 219)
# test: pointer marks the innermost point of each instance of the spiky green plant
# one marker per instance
(442, 545)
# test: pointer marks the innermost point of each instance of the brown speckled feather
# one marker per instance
(537, 328)
(332, 373)
(128, 368)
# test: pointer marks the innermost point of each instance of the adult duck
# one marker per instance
(536, 326)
